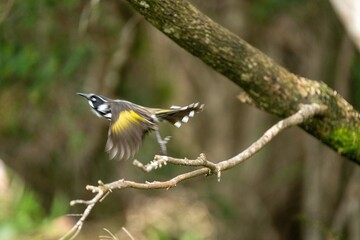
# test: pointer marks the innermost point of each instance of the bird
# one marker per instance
(130, 123)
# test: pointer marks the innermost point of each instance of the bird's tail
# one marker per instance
(178, 115)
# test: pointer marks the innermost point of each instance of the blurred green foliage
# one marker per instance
(35, 50)
(55, 146)
(355, 82)
(159, 234)
(263, 10)
(28, 65)
(21, 211)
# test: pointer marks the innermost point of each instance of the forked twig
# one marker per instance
(206, 167)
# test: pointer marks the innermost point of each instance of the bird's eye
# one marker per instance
(93, 99)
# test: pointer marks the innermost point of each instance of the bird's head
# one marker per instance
(99, 104)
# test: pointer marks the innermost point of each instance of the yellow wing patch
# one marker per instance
(125, 119)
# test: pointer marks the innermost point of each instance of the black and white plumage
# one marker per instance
(129, 122)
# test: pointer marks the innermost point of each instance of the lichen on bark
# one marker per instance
(270, 86)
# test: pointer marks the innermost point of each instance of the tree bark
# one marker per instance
(269, 86)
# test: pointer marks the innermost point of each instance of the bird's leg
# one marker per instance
(162, 142)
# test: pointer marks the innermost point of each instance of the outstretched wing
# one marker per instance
(128, 126)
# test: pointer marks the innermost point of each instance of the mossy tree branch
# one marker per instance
(270, 86)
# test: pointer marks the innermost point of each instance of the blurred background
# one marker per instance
(52, 146)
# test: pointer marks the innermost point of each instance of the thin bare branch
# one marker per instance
(305, 113)
(159, 161)
(128, 233)
(111, 235)
(75, 230)
(269, 86)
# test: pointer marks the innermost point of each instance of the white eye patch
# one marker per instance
(103, 107)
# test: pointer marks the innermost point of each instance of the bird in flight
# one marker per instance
(129, 122)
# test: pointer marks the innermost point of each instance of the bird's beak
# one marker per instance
(83, 95)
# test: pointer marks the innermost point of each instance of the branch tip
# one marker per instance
(304, 113)
(218, 171)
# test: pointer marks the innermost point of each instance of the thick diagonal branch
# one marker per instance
(271, 87)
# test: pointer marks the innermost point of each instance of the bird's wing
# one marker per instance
(128, 126)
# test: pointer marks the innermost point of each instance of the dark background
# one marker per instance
(52, 146)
